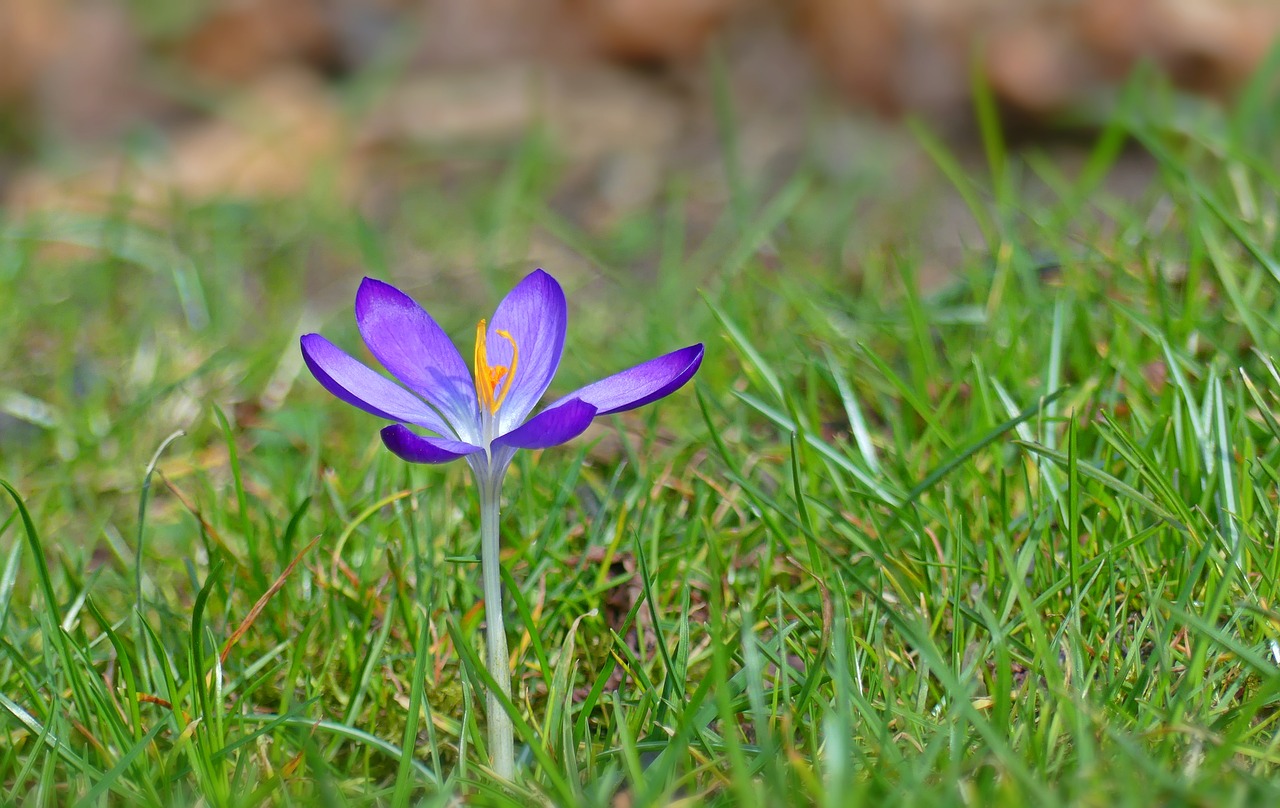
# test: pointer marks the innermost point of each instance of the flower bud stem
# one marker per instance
(501, 742)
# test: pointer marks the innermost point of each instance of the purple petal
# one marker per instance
(646, 382)
(408, 445)
(361, 387)
(416, 350)
(551, 427)
(534, 313)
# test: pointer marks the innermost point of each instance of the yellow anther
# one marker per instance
(488, 378)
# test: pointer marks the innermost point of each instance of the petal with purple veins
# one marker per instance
(409, 343)
(551, 427)
(534, 314)
(363, 387)
(642, 384)
(408, 445)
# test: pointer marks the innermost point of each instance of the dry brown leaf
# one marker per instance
(243, 39)
(1211, 45)
(267, 144)
(858, 42)
(1035, 63)
(651, 30)
(31, 32)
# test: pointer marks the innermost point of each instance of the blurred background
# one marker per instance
(193, 100)
(221, 172)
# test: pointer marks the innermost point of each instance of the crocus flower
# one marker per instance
(481, 416)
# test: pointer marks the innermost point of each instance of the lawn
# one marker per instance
(1007, 539)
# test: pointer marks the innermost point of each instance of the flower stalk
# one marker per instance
(501, 738)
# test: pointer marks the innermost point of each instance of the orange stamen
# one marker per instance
(488, 378)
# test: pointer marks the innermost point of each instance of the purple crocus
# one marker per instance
(481, 417)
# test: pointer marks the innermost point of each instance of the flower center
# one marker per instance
(493, 382)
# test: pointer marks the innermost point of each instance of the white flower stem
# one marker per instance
(501, 741)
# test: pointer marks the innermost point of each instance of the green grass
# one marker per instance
(1008, 541)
